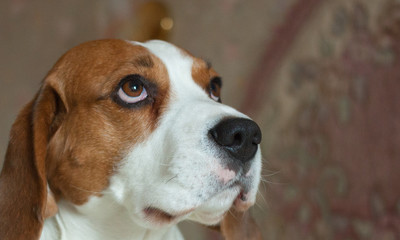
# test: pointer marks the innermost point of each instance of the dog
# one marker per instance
(123, 141)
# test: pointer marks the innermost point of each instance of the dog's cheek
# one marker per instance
(81, 159)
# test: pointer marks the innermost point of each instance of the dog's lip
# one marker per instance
(242, 202)
(158, 215)
(212, 218)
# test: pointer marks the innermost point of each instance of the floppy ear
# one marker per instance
(24, 197)
(239, 226)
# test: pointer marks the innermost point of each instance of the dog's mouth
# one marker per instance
(160, 216)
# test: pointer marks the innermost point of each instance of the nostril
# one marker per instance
(214, 134)
(237, 139)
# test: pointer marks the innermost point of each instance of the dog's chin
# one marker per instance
(156, 217)
(209, 212)
(208, 218)
(214, 210)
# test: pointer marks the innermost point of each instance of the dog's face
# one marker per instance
(143, 124)
(181, 168)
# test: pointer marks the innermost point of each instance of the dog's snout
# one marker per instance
(238, 136)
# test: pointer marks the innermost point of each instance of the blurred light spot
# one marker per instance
(167, 23)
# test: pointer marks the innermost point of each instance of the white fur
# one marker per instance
(175, 169)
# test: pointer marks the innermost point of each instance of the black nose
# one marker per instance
(238, 136)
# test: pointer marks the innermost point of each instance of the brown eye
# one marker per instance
(132, 90)
(215, 89)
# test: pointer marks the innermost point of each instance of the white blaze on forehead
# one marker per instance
(179, 67)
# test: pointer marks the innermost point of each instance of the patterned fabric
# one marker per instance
(331, 121)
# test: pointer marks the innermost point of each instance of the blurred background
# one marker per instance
(319, 76)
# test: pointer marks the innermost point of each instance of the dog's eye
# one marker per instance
(215, 89)
(132, 90)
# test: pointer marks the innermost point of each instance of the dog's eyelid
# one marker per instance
(214, 88)
(216, 80)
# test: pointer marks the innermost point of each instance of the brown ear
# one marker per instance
(23, 183)
(239, 226)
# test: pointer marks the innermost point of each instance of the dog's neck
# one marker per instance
(100, 221)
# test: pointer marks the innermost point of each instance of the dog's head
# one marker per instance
(141, 123)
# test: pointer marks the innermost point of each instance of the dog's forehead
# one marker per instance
(185, 71)
(171, 55)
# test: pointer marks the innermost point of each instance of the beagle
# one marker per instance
(123, 141)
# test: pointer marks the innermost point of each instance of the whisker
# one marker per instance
(262, 196)
(263, 184)
(271, 174)
(89, 191)
(270, 182)
(257, 205)
(233, 215)
(171, 178)
(165, 164)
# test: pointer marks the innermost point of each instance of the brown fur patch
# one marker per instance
(202, 73)
(144, 61)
